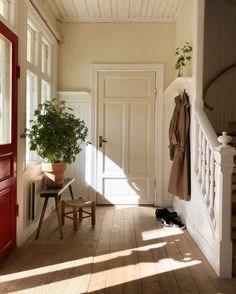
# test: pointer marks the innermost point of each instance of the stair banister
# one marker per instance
(224, 163)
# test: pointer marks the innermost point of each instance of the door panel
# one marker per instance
(113, 152)
(126, 111)
(6, 166)
(8, 139)
(138, 138)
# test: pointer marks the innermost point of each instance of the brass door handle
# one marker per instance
(101, 140)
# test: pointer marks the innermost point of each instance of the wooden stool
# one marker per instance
(77, 205)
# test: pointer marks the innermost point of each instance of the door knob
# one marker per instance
(101, 140)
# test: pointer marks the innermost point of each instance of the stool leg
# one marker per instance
(58, 216)
(80, 213)
(75, 218)
(62, 213)
(93, 211)
(41, 217)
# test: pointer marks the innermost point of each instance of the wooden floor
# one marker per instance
(128, 252)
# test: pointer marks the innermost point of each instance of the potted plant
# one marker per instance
(56, 136)
(183, 55)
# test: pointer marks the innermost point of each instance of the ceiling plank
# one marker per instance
(123, 8)
(135, 8)
(93, 8)
(81, 8)
(60, 8)
(144, 8)
(150, 8)
(157, 8)
(105, 8)
(54, 9)
(180, 5)
(69, 8)
(114, 8)
(168, 8)
(162, 8)
(174, 8)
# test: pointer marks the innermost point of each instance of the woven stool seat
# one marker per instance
(77, 206)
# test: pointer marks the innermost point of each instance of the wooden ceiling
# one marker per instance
(115, 10)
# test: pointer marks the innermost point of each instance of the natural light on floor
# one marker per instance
(120, 260)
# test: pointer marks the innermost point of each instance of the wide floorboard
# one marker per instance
(127, 252)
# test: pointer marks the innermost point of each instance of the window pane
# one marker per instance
(4, 8)
(31, 45)
(5, 90)
(46, 58)
(31, 105)
(46, 91)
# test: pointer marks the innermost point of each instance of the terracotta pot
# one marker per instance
(54, 174)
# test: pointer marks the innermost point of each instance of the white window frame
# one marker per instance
(42, 35)
(9, 17)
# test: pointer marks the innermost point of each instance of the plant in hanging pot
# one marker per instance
(56, 136)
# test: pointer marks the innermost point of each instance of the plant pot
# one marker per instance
(54, 174)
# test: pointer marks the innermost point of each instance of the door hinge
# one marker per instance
(17, 210)
(155, 93)
(18, 72)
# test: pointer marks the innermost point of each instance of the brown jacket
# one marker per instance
(179, 183)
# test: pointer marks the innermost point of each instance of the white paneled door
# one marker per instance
(126, 137)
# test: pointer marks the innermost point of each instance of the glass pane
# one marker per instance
(46, 91)
(46, 58)
(4, 8)
(31, 105)
(5, 90)
(31, 45)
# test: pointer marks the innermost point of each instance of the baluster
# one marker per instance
(212, 186)
(203, 164)
(199, 155)
(207, 183)
(196, 149)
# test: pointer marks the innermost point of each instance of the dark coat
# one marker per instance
(179, 183)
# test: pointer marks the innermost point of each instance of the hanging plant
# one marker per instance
(184, 55)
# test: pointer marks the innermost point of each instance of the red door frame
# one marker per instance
(10, 150)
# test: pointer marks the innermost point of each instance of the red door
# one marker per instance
(8, 139)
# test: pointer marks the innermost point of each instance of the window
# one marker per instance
(39, 83)
(46, 58)
(4, 8)
(31, 105)
(32, 45)
(46, 91)
(7, 10)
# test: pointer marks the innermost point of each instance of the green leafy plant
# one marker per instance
(55, 134)
(184, 55)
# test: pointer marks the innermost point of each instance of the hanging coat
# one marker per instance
(179, 182)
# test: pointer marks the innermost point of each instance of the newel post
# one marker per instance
(224, 163)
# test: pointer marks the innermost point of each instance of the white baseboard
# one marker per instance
(30, 229)
(200, 240)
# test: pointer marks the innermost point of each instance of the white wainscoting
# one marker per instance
(80, 102)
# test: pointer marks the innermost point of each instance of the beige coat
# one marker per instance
(179, 183)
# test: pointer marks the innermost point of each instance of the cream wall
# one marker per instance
(184, 29)
(87, 43)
